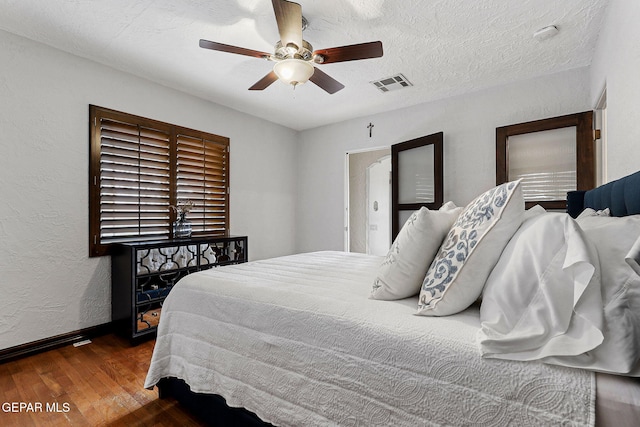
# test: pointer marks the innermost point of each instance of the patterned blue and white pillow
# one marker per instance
(470, 251)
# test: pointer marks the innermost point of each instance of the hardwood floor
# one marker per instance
(98, 384)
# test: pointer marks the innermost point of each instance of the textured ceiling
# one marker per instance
(444, 47)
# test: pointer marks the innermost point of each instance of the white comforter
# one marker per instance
(296, 340)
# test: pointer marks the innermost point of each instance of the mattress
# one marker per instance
(297, 341)
(617, 401)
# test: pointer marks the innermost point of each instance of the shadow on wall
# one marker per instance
(96, 300)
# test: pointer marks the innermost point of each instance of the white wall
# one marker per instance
(616, 64)
(48, 285)
(468, 123)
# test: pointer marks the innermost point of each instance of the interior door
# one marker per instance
(416, 177)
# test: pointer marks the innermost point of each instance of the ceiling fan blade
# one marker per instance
(264, 82)
(232, 49)
(325, 81)
(350, 53)
(289, 19)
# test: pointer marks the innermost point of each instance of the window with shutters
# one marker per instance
(551, 156)
(140, 167)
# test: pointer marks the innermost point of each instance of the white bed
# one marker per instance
(333, 338)
(299, 348)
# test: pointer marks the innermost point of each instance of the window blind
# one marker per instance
(202, 177)
(546, 163)
(416, 178)
(139, 168)
(134, 182)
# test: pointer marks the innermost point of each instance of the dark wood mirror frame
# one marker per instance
(585, 150)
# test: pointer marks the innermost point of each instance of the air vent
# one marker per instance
(392, 83)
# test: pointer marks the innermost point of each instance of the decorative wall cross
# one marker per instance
(370, 127)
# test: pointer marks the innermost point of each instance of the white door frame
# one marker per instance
(368, 201)
(601, 144)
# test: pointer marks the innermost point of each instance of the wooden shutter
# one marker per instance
(134, 182)
(140, 167)
(202, 177)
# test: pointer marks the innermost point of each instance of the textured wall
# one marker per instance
(48, 285)
(468, 123)
(616, 65)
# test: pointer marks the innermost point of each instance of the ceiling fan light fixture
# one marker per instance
(294, 57)
(293, 71)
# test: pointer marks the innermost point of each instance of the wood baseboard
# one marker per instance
(35, 347)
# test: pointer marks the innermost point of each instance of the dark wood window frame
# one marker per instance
(585, 150)
(193, 165)
(436, 140)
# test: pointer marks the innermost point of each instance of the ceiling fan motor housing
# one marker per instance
(291, 51)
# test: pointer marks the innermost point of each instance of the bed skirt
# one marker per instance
(212, 409)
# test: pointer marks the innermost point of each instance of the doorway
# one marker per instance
(368, 201)
(378, 221)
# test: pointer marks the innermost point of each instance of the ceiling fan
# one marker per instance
(294, 57)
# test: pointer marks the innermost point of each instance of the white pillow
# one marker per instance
(592, 212)
(633, 257)
(615, 239)
(533, 211)
(406, 263)
(472, 247)
(543, 296)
